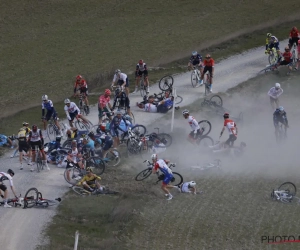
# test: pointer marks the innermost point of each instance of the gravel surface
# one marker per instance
(21, 228)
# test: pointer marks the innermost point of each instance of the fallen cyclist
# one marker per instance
(162, 106)
(223, 147)
(91, 182)
(187, 187)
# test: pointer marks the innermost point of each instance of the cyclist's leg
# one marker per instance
(32, 144)
(203, 72)
(191, 138)
(137, 79)
(115, 136)
(146, 78)
(276, 45)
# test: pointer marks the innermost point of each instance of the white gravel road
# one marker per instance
(22, 228)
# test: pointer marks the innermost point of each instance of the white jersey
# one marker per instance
(141, 67)
(185, 188)
(35, 136)
(275, 93)
(193, 123)
(149, 107)
(122, 77)
(163, 167)
(72, 108)
(4, 177)
(74, 153)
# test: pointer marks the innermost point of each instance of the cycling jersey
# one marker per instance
(196, 59)
(141, 68)
(115, 124)
(193, 123)
(103, 101)
(6, 176)
(150, 107)
(122, 77)
(271, 40)
(163, 167)
(35, 136)
(287, 56)
(72, 108)
(90, 145)
(22, 134)
(89, 179)
(231, 126)
(123, 100)
(280, 117)
(209, 63)
(48, 105)
(79, 84)
(74, 153)
(275, 93)
(294, 34)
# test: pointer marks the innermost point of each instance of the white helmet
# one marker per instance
(117, 71)
(185, 112)
(192, 184)
(154, 156)
(277, 85)
(67, 101)
(46, 149)
(44, 98)
(194, 53)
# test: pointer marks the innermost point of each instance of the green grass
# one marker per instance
(46, 44)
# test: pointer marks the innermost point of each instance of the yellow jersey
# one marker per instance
(89, 179)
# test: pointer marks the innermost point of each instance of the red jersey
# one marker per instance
(209, 63)
(287, 56)
(294, 34)
(231, 126)
(81, 84)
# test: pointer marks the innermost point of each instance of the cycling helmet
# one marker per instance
(44, 98)
(117, 71)
(269, 34)
(9, 171)
(89, 169)
(192, 184)
(118, 112)
(207, 56)
(281, 108)
(141, 62)
(34, 128)
(185, 112)
(226, 115)
(243, 144)
(154, 156)
(194, 53)
(78, 78)
(67, 101)
(277, 85)
(25, 123)
(107, 92)
(46, 149)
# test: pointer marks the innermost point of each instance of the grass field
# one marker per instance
(46, 44)
(235, 210)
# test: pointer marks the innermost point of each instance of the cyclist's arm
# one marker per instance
(41, 136)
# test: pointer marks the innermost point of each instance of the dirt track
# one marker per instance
(25, 226)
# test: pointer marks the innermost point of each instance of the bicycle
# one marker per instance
(84, 192)
(195, 77)
(166, 83)
(38, 159)
(52, 129)
(273, 56)
(294, 54)
(82, 105)
(215, 101)
(82, 124)
(271, 68)
(285, 193)
(207, 166)
(14, 202)
(34, 198)
(112, 157)
(143, 88)
(176, 180)
(161, 96)
(280, 134)
(207, 83)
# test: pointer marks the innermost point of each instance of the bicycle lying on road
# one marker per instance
(285, 193)
(208, 166)
(84, 192)
(34, 198)
(175, 181)
(215, 101)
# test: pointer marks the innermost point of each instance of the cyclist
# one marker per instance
(82, 86)
(3, 177)
(294, 37)
(232, 129)
(91, 182)
(122, 80)
(88, 145)
(187, 187)
(6, 141)
(74, 155)
(51, 113)
(123, 100)
(298, 51)
(103, 105)
(287, 59)
(280, 116)
(209, 65)
(115, 127)
(140, 70)
(196, 60)
(196, 132)
(72, 111)
(161, 107)
(23, 144)
(160, 164)
(274, 94)
(36, 140)
(102, 139)
(272, 42)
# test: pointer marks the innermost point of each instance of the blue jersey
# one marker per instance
(280, 117)
(48, 105)
(196, 59)
(168, 103)
(115, 124)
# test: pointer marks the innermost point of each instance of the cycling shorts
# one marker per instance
(274, 45)
(121, 82)
(167, 179)
(114, 132)
(107, 144)
(3, 187)
(33, 144)
(284, 62)
(293, 40)
(191, 135)
(73, 115)
(209, 69)
(100, 113)
(84, 90)
(231, 139)
(51, 114)
(23, 146)
(140, 73)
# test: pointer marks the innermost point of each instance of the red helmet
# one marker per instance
(107, 92)
(141, 62)
(79, 77)
(34, 128)
(294, 28)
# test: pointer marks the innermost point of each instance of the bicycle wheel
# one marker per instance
(133, 146)
(272, 58)
(67, 144)
(142, 87)
(164, 138)
(72, 175)
(81, 125)
(289, 187)
(216, 101)
(31, 197)
(178, 99)
(97, 165)
(194, 79)
(166, 83)
(112, 157)
(177, 179)
(39, 163)
(143, 175)
(51, 132)
(205, 127)
(139, 130)
(81, 191)
(205, 141)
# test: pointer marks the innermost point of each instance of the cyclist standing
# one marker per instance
(209, 65)
(36, 139)
(294, 37)
(114, 128)
(280, 116)
(287, 59)
(3, 177)
(196, 60)
(123, 99)
(23, 144)
(81, 85)
(51, 113)
(140, 70)
(72, 111)
(274, 94)
(103, 102)
(194, 126)
(232, 129)
(272, 42)
(122, 80)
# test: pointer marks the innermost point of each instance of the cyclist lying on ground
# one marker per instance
(105, 142)
(187, 187)
(74, 156)
(54, 158)
(223, 147)
(279, 116)
(74, 133)
(161, 107)
(5, 141)
(91, 182)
